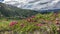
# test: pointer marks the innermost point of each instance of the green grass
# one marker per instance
(39, 22)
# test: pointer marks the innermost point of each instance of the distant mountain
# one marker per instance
(35, 4)
(12, 11)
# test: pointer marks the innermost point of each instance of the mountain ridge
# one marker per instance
(12, 11)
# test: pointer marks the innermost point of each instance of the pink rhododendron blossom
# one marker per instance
(39, 24)
(22, 25)
(33, 16)
(13, 23)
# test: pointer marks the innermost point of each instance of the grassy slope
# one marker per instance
(11, 11)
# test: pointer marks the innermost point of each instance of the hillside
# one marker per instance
(12, 11)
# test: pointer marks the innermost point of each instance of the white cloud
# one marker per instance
(6, 0)
(34, 4)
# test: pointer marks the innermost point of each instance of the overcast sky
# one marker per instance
(34, 4)
(6, 0)
(9, 0)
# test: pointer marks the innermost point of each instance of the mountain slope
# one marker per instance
(11, 11)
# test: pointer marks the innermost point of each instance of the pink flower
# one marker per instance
(57, 23)
(13, 23)
(39, 24)
(22, 25)
(33, 16)
(29, 20)
(57, 19)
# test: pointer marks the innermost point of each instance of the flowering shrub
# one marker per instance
(44, 23)
(13, 23)
(22, 25)
(32, 16)
(39, 25)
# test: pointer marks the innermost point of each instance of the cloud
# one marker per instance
(1, 0)
(34, 4)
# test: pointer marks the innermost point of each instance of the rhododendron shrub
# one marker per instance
(43, 23)
(13, 23)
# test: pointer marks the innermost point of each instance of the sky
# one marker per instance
(34, 4)
(10, 0)
(1, 0)
(6, 0)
